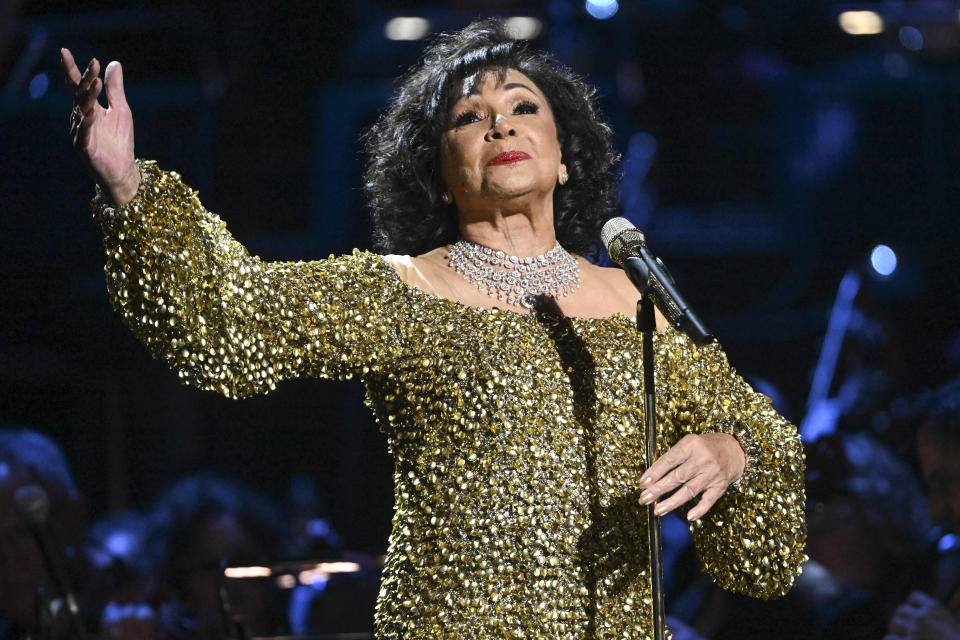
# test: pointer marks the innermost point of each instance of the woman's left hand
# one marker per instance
(699, 465)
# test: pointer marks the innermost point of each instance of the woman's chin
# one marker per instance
(514, 191)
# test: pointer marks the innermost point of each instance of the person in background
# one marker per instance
(29, 458)
(936, 417)
(200, 524)
(122, 575)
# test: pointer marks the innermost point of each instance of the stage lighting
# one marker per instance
(39, 85)
(911, 38)
(602, 9)
(406, 28)
(948, 543)
(883, 260)
(860, 23)
(524, 27)
(247, 572)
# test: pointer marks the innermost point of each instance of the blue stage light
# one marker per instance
(602, 9)
(948, 543)
(39, 85)
(883, 259)
(911, 38)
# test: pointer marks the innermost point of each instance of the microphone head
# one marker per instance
(617, 235)
(32, 504)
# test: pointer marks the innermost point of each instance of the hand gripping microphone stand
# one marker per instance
(628, 248)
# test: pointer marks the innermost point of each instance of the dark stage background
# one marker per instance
(766, 152)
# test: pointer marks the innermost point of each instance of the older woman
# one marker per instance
(502, 366)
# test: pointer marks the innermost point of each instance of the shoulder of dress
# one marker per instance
(398, 261)
(408, 270)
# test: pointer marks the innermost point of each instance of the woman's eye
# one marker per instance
(467, 117)
(526, 108)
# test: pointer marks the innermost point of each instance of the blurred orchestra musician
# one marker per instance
(933, 616)
(29, 600)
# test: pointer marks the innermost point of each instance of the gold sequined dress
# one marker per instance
(517, 438)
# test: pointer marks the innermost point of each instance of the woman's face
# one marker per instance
(500, 147)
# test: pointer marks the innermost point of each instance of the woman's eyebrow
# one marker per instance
(518, 85)
(475, 90)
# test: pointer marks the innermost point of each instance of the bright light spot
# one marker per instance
(602, 9)
(247, 572)
(120, 543)
(319, 528)
(948, 543)
(883, 259)
(286, 581)
(406, 28)
(911, 38)
(860, 23)
(524, 27)
(313, 576)
(321, 573)
(338, 567)
(39, 85)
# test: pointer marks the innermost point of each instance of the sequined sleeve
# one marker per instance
(752, 540)
(227, 321)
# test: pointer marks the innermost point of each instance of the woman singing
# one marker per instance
(501, 365)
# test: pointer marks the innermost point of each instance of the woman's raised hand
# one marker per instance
(103, 137)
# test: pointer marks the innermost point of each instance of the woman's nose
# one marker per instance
(499, 127)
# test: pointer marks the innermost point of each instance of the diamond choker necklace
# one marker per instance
(519, 281)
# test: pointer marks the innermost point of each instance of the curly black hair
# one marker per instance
(403, 181)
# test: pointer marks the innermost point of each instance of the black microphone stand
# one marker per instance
(647, 326)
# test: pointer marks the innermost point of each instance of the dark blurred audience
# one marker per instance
(27, 597)
(933, 615)
(203, 524)
(327, 603)
(867, 517)
(122, 576)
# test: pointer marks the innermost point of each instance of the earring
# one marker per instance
(446, 197)
(564, 177)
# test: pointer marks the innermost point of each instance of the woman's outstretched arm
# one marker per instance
(223, 319)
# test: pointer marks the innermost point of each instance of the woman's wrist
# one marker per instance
(126, 188)
(744, 438)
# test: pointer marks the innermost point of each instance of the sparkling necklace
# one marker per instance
(519, 281)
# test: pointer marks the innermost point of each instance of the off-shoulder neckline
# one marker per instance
(617, 318)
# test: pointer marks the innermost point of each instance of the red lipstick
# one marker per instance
(508, 157)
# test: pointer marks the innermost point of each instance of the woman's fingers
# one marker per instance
(685, 493)
(675, 455)
(113, 80)
(710, 497)
(86, 88)
(89, 88)
(694, 466)
(671, 470)
(71, 74)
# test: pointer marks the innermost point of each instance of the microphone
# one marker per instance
(628, 248)
(33, 506)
